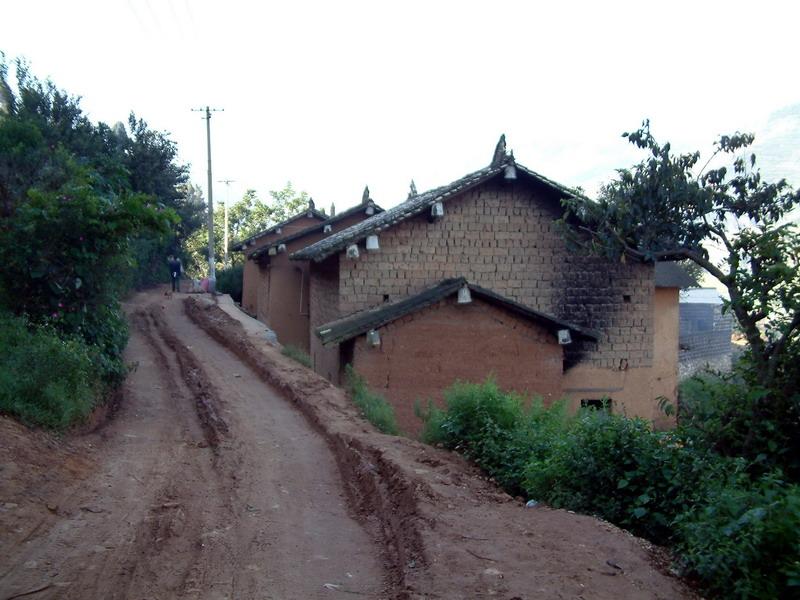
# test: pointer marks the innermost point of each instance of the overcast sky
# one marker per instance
(336, 95)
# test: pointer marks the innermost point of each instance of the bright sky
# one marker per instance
(336, 95)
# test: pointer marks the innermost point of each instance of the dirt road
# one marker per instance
(210, 483)
(206, 484)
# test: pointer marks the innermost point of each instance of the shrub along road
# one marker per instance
(229, 471)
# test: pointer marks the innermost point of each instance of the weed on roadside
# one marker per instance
(373, 406)
(296, 354)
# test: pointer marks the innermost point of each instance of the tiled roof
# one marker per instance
(316, 228)
(417, 204)
(361, 322)
(309, 212)
(670, 274)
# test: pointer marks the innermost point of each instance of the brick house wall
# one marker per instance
(502, 235)
(323, 308)
(253, 276)
(285, 306)
(252, 279)
(423, 353)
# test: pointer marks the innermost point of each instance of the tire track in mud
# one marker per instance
(376, 491)
(172, 528)
(138, 527)
(206, 484)
(262, 544)
(206, 397)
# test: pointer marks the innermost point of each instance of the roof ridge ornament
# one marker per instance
(412, 189)
(311, 204)
(365, 196)
(500, 152)
(510, 170)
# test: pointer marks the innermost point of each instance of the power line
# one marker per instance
(212, 271)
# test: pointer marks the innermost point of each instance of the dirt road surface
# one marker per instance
(230, 472)
(206, 484)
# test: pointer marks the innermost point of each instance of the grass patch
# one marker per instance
(373, 406)
(296, 354)
(46, 378)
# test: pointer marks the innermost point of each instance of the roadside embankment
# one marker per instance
(448, 532)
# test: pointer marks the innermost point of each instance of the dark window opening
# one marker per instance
(597, 404)
(386, 297)
(626, 298)
(346, 352)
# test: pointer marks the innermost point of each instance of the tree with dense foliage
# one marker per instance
(739, 229)
(246, 217)
(78, 202)
(664, 209)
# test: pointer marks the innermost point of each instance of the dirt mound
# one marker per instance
(449, 532)
(34, 466)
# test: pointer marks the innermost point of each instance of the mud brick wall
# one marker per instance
(503, 236)
(423, 353)
(254, 276)
(252, 279)
(323, 308)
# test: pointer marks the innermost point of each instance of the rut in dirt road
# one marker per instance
(208, 485)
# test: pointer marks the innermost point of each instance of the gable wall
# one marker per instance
(286, 307)
(502, 236)
(423, 353)
(254, 277)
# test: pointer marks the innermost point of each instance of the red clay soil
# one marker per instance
(230, 471)
(448, 531)
(205, 484)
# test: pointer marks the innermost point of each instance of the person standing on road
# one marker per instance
(175, 270)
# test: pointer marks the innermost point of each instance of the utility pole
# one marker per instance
(212, 271)
(227, 183)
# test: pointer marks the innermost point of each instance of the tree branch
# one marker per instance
(686, 253)
(778, 347)
(710, 158)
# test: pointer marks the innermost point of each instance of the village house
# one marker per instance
(275, 289)
(253, 293)
(474, 278)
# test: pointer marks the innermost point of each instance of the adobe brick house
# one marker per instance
(282, 286)
(497, 229)
(469, 325)
(251, 275)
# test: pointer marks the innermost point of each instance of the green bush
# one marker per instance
(740, 537)
(297, 354)
(373, 406)
(726, 414)
(45, 378)
(744, 541)
(491, 428)
(230, 281)
(623, 471)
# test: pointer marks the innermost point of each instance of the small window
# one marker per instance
(626, 298)
(386, 297)
(597, 404)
